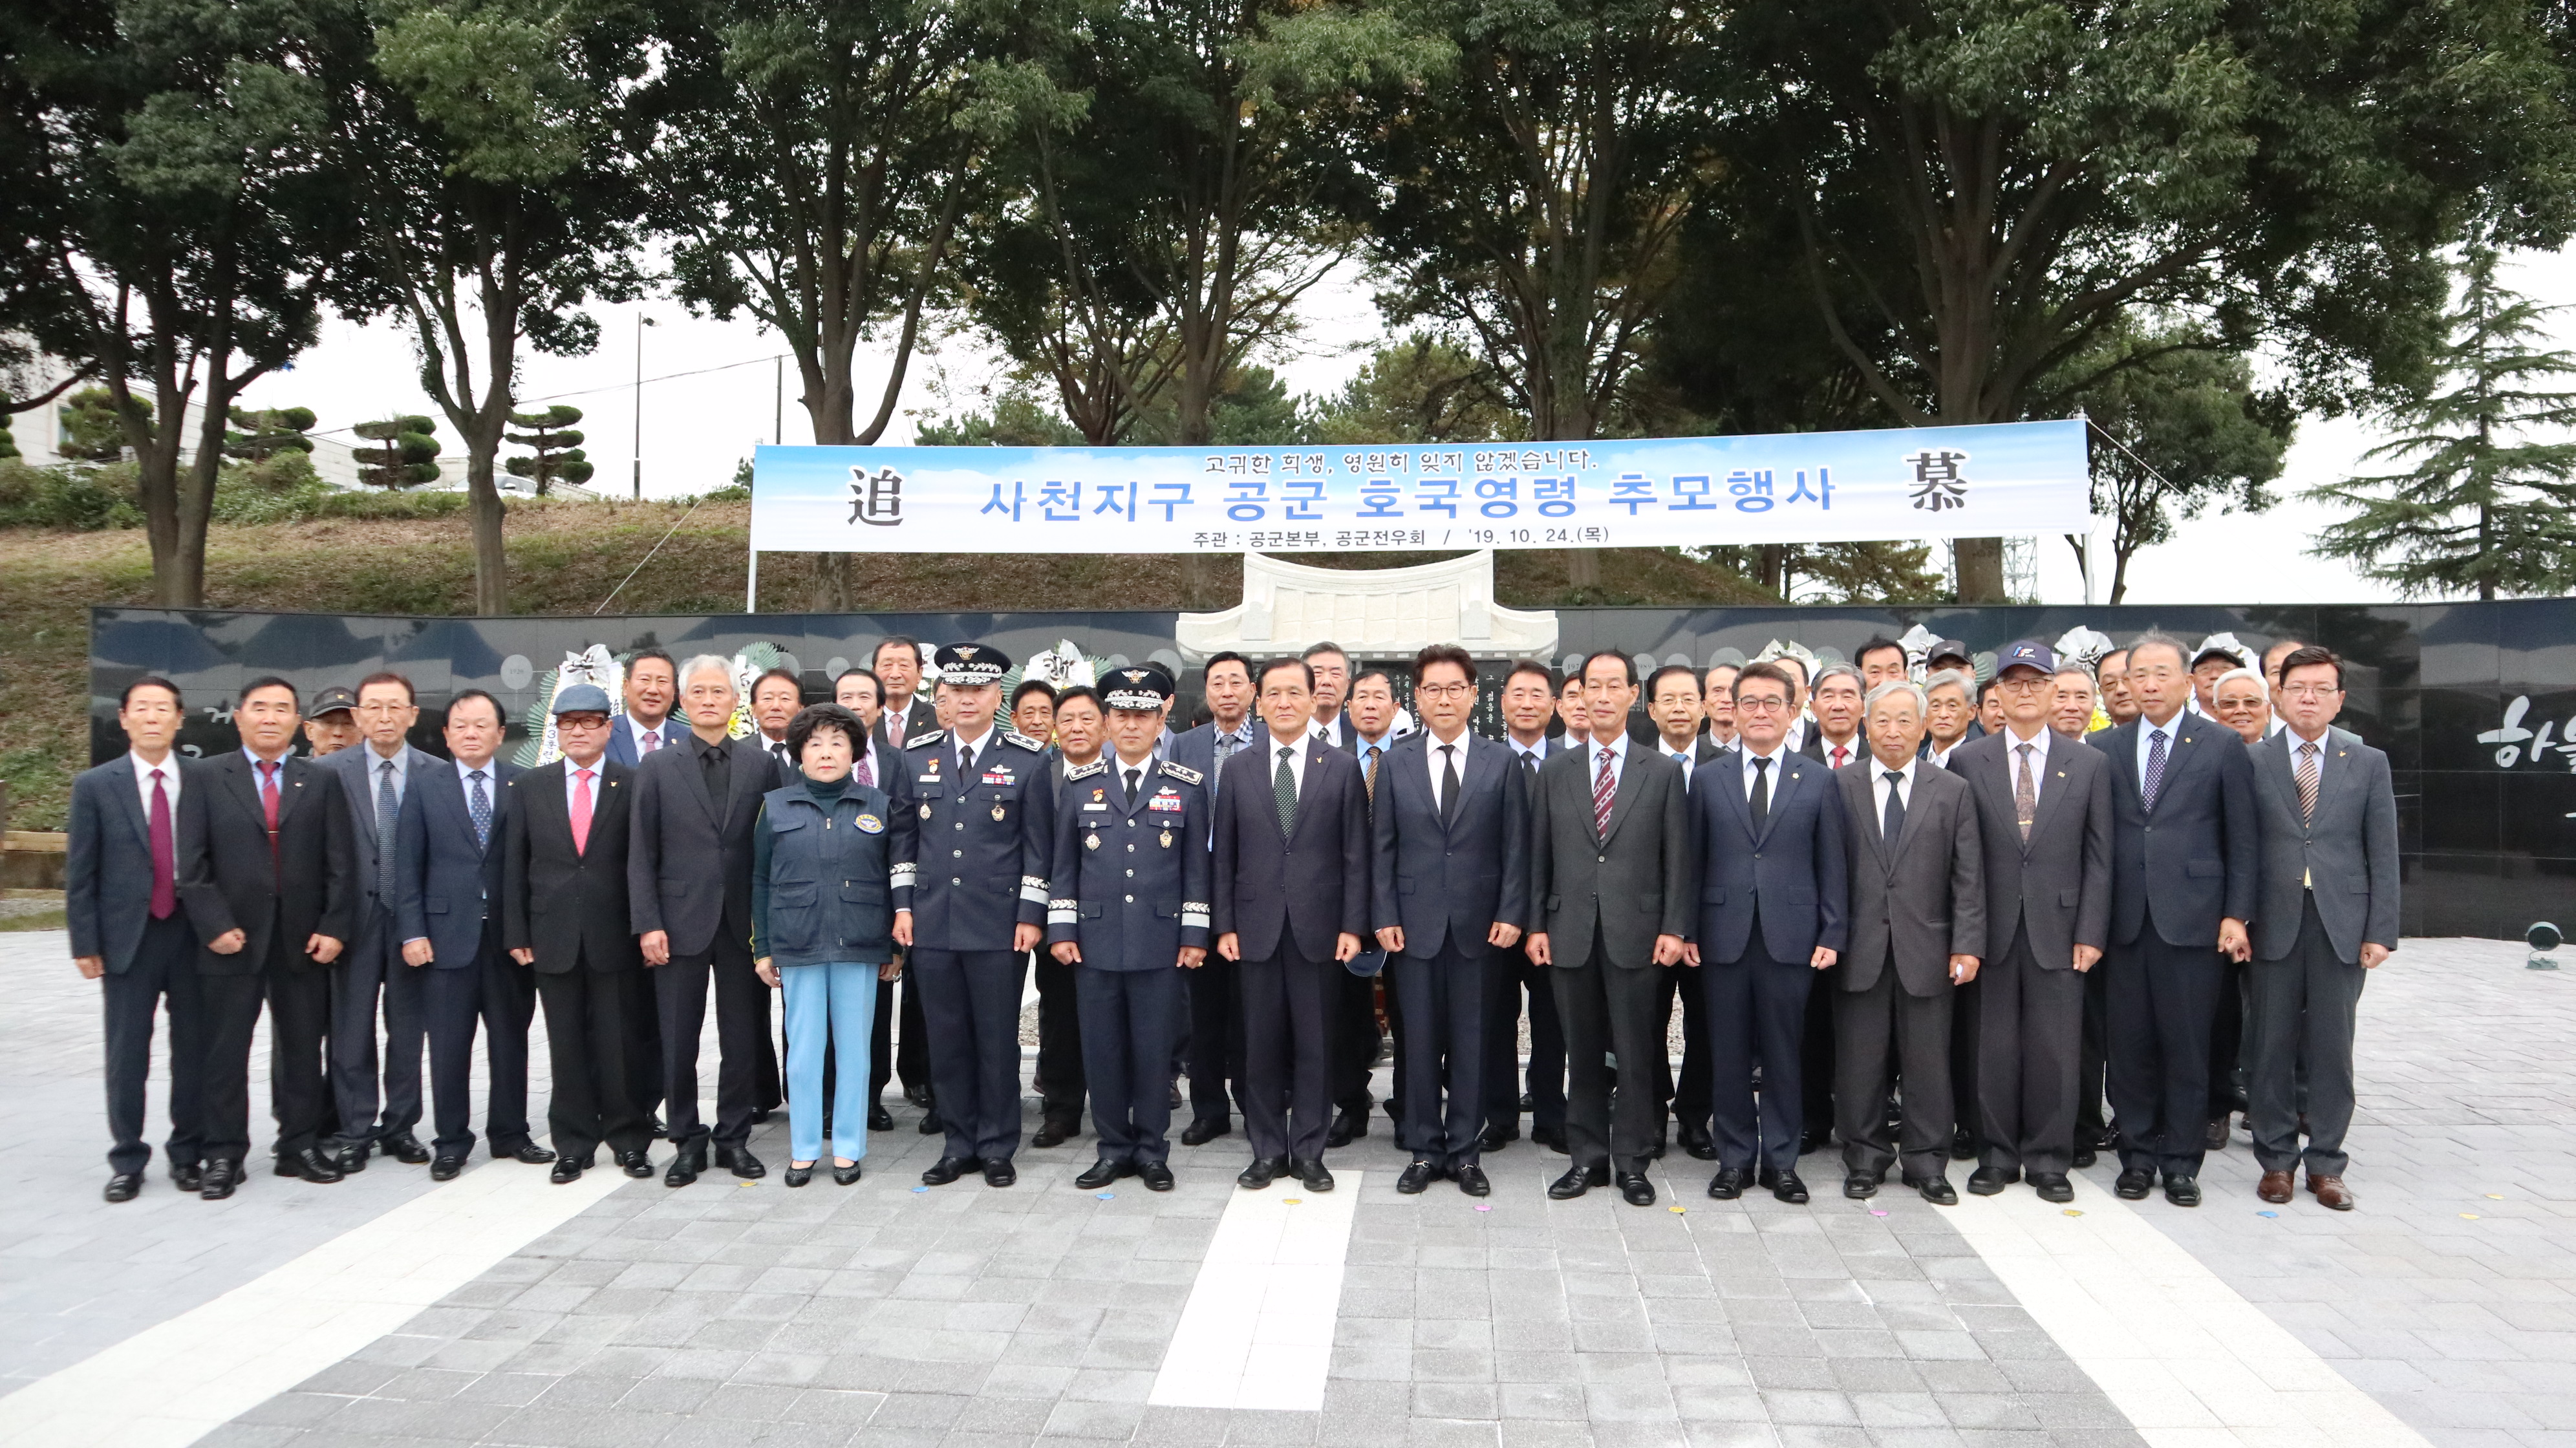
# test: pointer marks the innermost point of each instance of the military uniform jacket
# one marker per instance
(1130, 876)
(971, 862)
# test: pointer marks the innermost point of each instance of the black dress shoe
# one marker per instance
(1497, 1137)
(1205, 1130)
(1656, 1151)
(1156, 1175)
(1936, 1190)
(445, 1168)
(1551, 1137)
(313, 1166)
(1524, 1103)
(931, 1125)
(2182, 1191)
(1697, 1141)
(2214, 1137)
(568, 1169)
(1312, 1175)
(637, 1164)
(998, 1171)
(404, 1147)
(187, 1176)
(123, 1186)
(917, 1095)
(1728, 1184)
(797, 1176)
(1814, 1140)
(1860, 1186)
(1100, 1174)
(2134, 1184)
(1989, 1181)
(843, 1176)
(947, 1169)
(1635, 1189)
(1785, 1185)
(1963, 1145)
(2084, 1157)
(880, 1119)
(526, 1151)
(1471, 1180)
(653, 1126)
(219, 1179)
(1578, 1180)
(351, 1160)
(740, 1161)
(686, 1164)
(1049, 1133)
(2052, 1186)
(1347, 1125)
(1263, 1171)
(1417, 1178)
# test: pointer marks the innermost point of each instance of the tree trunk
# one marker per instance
(1583, 568)
(1775, 569)
(483, 506)
(1198, 580)
(1980, 566)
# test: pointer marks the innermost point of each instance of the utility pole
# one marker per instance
(641, 322)
(778, 400)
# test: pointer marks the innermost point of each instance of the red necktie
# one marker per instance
(165, 853)
(652, 738)
(1841, 753)
(268, 797)
(1605, 788)
(581, 812)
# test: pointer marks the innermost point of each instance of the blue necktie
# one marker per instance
(388, 809)
(2155, 767)
(480, 806)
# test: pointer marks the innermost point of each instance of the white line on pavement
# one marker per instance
(1258, 1329)
(2185, 1358)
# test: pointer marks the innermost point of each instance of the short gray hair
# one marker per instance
(2251, 676)
(1831, 670)
(701, 663)
(1893, 687)
(2156, 638)
(1954, 678)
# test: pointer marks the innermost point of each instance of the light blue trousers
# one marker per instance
(830, 1008)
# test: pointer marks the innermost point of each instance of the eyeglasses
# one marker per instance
(1761, 706)
(2021, 686)
(2310, 691)
(381, 707)
(1443, 691)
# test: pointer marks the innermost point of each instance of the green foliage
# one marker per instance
(2489, 503)
(406, 458)
(268, 432)
(91, 431)
(83, 499)
(559, 458)
(1016, 419)
(1424, 388)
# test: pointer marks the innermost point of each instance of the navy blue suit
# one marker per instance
(1213, 1055)
(450, 895)
(2176, 871)
(1447, 872)
(107, 899)
(1768, 899)
(621, 743)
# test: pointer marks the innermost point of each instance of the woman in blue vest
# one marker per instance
(822, 922)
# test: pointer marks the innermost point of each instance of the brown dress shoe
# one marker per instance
(2274, 1187)
(2330, 1192)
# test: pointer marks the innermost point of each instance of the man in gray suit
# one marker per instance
(2044, 813)
(375, 777)
(1610, 895)
(1918, 929)
(2327, 912)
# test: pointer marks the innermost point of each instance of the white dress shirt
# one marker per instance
(635, 732)
(1685, 757)
(958, 744)
(1854, 748)
(1330, 733)
(1879, 786)
(169, 767)
(572, 783)
(1779, 757)
(1940, 758)
(2322, 742)
(1617, 745)
(1716, 743)
(1439, 762)
(2038, 760)
(1296, 758)
(1796, 736)
(2147, 730)
(376, 763)
(1536, 754)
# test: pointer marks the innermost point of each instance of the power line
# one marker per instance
(772, 358)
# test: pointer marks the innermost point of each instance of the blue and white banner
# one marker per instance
(1808, 487)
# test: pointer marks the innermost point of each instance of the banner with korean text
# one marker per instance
(1812, 487)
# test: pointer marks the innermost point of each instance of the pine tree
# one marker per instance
(559, 457)
(2487, 502)
(266, 433)
(407, 457)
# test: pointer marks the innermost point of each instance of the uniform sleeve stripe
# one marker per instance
(900, 876)
(1035, 892)
(1062, 912)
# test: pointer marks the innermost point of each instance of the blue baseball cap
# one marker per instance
(581, 699)
(2025, 654)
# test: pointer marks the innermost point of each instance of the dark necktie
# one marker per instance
(1761, 793)
(965, 766)
(1283, 789)
(2155, 769)
(2307, 783)
(1892, 824)
(1448, 783)
(388, 811)
(1133, 775)
(165, 853)
(1370, 778)
(479, 805)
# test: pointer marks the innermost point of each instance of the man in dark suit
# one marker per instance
(1290, 904)
(862, 693)
(905, 713)
(1215, 1055)
(1767, 830)
(1450, 887)
(1528, 704)
(648, 725)
(1673, 702)
(2186, 850)
(1918, 930)
(688, 888)
(375, 779)
(2327, 915)
(271, 895)
(448, 868)
(1609, 890)
(130, 933)
(565, 914)
(2044, 815)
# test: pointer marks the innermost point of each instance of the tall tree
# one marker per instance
(1980, 187)
(1531, 196)
(172, 213)
(2488, 503)
(1423, 388)
(811, 163)
(498, 197)
(2180, 429)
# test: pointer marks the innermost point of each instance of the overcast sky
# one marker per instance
(710, 394)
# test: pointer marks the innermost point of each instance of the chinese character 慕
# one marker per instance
(1938, 483)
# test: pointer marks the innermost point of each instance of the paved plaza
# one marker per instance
(499, 1309)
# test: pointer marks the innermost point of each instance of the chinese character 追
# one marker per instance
(1938, 483)
(876, 500)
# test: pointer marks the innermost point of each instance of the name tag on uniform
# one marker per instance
(1096, 804)
(931, 778)
(870, 824)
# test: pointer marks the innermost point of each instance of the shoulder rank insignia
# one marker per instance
(1085, 771)
(1183, 773)
(923, 741)
(1025, 742)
